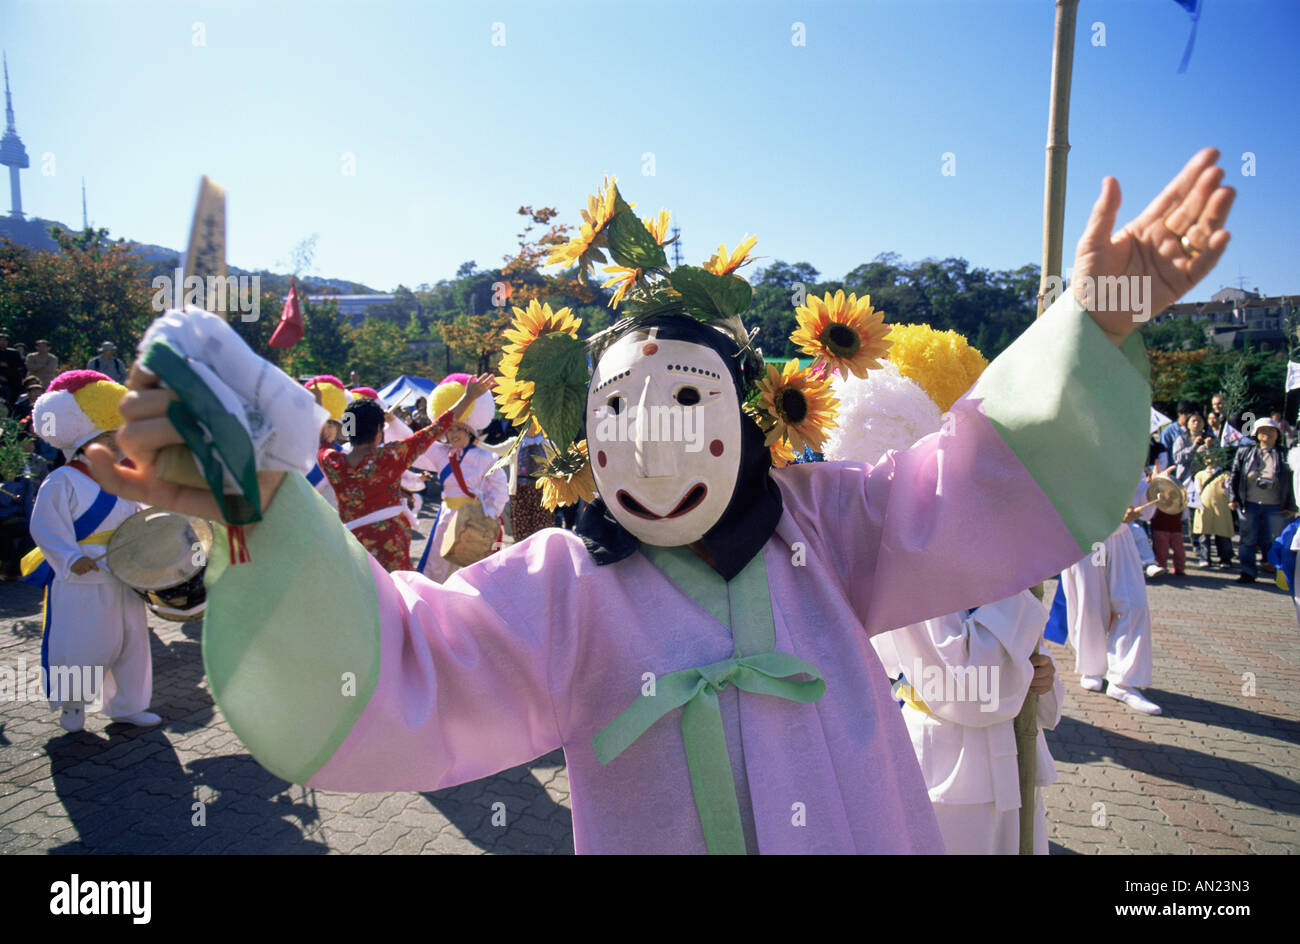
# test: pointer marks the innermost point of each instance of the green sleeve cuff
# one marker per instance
(291, 638)
(1075, 410)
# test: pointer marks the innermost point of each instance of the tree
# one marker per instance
(92, 290)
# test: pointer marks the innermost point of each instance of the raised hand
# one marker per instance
(1162, 254)
(146, 431)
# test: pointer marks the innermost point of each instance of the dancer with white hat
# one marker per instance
(96, 641)
(463, 468)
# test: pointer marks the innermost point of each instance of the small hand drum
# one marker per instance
(162, 555)
(1168, 495)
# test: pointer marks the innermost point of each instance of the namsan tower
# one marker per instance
(12, 153)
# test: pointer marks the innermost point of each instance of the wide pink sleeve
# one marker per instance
(340, 675)
(1032, 467)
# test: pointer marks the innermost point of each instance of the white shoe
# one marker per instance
(1134, 699)
(141, 719)
(72, 719)
(1091, 682)
(1154, 570)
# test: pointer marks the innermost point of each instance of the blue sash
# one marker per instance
(1058, 623)
(87, 523)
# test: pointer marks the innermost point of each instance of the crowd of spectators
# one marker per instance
(1238, 480)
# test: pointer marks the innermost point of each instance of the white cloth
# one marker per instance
(491, 489)
(282, 418)
(1108, 615)
(94, 619)
(973, 673)
(1146, 553)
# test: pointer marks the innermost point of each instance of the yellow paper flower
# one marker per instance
(724, 263)
(845, 333)
(565, 488)
(658, 226)
(624, 278)
(801, 407)
(943, 363)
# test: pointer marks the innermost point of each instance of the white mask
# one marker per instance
(663, 433)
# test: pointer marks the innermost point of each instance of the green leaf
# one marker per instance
(630, 243)
(555, 359)
(710, 296)
(559, 408)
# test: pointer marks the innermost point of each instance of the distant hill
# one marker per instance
(34, 233)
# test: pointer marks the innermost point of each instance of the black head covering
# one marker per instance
(755, 507)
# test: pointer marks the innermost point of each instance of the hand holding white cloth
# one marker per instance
(281, 417)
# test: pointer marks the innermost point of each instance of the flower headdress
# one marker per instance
(546, 368)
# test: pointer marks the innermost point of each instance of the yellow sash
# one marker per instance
(35, 557)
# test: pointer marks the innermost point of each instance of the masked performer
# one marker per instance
(962, 677)
(464, 469)
(700, 649)
(93, 622)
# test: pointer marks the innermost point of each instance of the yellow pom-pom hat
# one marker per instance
(78, 406)
(448, 393)
(331, 394)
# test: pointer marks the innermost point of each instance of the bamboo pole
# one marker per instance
(1058, 149)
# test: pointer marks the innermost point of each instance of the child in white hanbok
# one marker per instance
(465, 470)
(95, 649)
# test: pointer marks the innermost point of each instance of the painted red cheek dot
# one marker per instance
(600, 457)
(649, 349)
(715, 447)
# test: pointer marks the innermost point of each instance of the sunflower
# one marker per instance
(782, 454)
(625, 278)
(848, 334)
(658, 226)
(530, 324)
(801, 408)
(724, 263)
(600, 205)
(515, 397)
(572, 252)
(568, 479)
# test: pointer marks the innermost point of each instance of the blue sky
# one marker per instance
(830, 151)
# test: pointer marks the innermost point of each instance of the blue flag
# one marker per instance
(1194, 8)
(1057, 628)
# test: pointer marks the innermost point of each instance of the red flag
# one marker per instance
(289, 331)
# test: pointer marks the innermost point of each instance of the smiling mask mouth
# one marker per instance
(688, 503)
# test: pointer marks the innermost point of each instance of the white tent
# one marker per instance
(1158, 420)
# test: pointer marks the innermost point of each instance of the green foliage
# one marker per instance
(92, 290)
(557, 366)
(708, 296)
(630, 243)
(13, 457)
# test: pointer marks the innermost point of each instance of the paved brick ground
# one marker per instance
(1218, 772)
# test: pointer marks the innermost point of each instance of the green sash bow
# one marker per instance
(748, 611)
